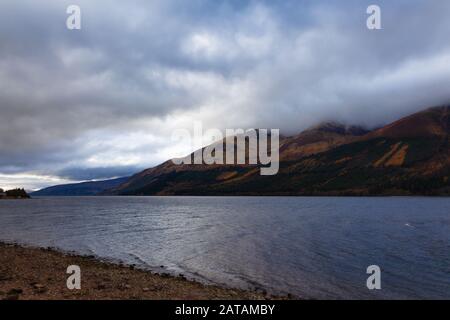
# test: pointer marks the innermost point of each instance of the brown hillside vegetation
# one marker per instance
(408, 157)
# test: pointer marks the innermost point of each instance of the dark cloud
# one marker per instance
(104, 100)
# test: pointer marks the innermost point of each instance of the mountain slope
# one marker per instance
(90, 188)
(169, 178)
(409, 156)
(319, 139)
(432, 122)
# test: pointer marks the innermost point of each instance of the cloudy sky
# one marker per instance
(103, 101)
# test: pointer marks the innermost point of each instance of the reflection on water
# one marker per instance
(309, 247)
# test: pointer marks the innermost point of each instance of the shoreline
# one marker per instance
(31, 273)
(430, 196)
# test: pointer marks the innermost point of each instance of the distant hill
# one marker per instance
(408, 157)
(90, 188)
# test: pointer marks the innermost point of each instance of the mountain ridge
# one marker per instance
(88, 188)
(407, 157)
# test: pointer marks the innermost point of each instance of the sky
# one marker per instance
(104, 101)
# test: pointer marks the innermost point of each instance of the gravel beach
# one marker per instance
(40, 274)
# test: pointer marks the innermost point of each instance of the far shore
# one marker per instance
(28, 273)
(14, 198)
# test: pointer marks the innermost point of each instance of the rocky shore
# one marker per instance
(40, 274)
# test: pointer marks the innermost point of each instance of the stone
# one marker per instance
(15, 291)
(101, 286)
(38, 286)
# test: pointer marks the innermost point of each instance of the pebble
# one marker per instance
(38, 286)
(124, 286)
(15, 291)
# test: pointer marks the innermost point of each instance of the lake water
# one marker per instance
(309, 247)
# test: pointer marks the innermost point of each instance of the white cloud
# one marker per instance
(29, 181)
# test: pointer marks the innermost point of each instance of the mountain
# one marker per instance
(320, 138)
(171, 179)
(430, 123)
(408, 157)
(90, 188)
